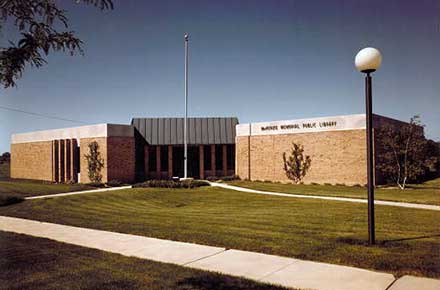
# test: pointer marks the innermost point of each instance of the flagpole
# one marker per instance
(185, 135)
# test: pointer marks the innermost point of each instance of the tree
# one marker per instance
(5, 157)
(94, 163)
(404, 154)
(296, 165)
(37, 22)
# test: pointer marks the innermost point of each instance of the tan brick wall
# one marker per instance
(337, 156)
(84, 149)
(32, 160)
(242, 157)
(121, 158)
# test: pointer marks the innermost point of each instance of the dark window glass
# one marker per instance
(207, 157)
(164, 158)
(77, 159)
(231, 157)
(218, 157)
(152, 158)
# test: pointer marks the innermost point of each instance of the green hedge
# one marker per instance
(172, 183)
(223, 178)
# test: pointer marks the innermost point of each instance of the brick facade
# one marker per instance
(337, 156)
(32, 160)
(336, 145)
(121, 159)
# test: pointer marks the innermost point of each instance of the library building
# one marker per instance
(152, 148)
(148, 148)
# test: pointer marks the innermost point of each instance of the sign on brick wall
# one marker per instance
(350, 122)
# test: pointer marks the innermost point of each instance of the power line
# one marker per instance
(41, 115)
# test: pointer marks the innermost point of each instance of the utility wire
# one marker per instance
(40, 115)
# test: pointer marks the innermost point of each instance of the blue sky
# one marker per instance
(257, 60)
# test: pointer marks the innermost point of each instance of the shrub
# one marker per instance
(71, 181)
(223, 178)
(172, 183)
(96, 184)
(94, 163)
(114, 183)
(296, 165)
(230, 178)
(198, 183)
(8, 199)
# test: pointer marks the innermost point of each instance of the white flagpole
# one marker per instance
(185, 136)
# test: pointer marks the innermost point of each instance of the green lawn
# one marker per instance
(36, 263)
(329, 231)
(427, 193)
(25, 188)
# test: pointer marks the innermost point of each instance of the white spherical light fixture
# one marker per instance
(368, 60)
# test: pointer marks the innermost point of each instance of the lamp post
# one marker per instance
(185, 126)
(367, 61)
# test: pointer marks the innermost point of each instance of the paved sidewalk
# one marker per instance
(283, 271)
(79, 192)
(346, 199)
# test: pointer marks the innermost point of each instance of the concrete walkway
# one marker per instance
(79, 192)
(261, 267)
(345, 199)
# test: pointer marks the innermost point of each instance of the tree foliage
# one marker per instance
(297, 164)
(404, 154)
(5, 157)
(95, 163)
(37, 22)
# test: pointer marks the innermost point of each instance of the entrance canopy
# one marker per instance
(201, 131)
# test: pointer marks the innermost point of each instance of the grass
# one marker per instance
(328, 231)
(36, 263)
(24, 188)
(426, 193)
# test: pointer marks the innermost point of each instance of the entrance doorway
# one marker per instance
(193, 161)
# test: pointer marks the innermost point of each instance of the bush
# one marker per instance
(297, 164)
(8, 199)
(114, 183)
(230, 178)
(96, 184)
(172, 183)
(223, 178)
(94, 162)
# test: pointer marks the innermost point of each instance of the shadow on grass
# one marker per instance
(217, 282)
(8, 199)
(411, 238)
(352, 241)
(384, 243)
